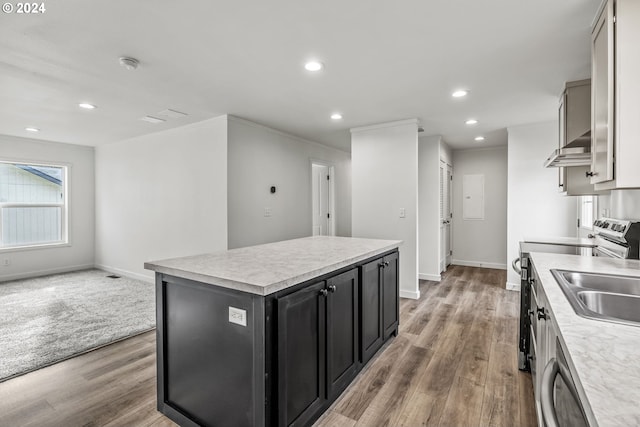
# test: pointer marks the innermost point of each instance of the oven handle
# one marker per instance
(515, 267)
(608, 253)
(553, 369)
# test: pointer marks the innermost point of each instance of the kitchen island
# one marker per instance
(271, 334)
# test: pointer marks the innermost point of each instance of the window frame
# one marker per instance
(594, 211)
(63, 205)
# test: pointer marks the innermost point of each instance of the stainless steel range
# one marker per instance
(617, 238)
(613, 238)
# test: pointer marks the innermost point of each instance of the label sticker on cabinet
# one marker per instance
(238, 316)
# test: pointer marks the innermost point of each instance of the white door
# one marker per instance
(445, 215)
(320, 206)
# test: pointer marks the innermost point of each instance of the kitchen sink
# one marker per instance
(607, 297)
(602, 282)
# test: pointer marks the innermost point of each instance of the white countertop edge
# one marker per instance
(273, 287)
(604, 355)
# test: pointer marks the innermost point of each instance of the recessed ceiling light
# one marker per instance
(87, 106)
(471, 122)
(336, 116)
(479, 138)
(32, 129)
(459, 93)
(313, 66)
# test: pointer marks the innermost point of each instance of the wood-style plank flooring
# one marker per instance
(454, 363)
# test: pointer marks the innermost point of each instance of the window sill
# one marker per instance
(9, 249)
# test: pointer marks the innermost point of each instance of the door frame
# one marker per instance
(332, 187)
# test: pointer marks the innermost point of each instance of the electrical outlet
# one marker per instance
(267, 211)
(237, 316)
(6, 262)
(403, 213)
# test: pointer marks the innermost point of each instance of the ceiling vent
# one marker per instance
(129, 63)
(152, 119)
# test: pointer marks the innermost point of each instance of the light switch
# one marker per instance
(403, 213)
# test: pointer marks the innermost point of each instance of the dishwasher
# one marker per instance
(558, 395)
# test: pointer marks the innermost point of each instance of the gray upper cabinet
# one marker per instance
(574, 118)
(615, 96)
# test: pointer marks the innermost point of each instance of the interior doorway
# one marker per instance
(322, 199)
(446, 215)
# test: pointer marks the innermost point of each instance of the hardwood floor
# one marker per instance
(454, 363)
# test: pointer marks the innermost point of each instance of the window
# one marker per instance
(33, 204)
(587, 206)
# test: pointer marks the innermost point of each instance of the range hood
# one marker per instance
(570, 156)
(574, 117)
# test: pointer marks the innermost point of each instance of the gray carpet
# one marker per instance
(48, 319)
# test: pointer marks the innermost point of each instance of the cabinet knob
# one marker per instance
(589, 174)
(542, 314)
(386, 263)
(324, 292)
(332, 288)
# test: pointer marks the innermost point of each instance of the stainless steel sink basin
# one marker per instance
(615, 306)
(602, 282)
(611, 298)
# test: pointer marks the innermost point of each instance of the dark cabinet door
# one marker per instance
(301, 354)
(390, 297)
(371, 338)
(342, 331)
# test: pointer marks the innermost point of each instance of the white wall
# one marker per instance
(429, 206)
(384, 179)
(80, 251)
(534, 208)
(260, 157)
(481, 243)
(160, 196)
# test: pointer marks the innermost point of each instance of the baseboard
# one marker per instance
(432, 277)
(479, 264)
(125, 273)
(410, 294)
(39, 273)
(513, 286)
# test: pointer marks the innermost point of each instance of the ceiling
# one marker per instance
(384, 61)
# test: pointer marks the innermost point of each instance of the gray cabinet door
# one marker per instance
(301, 355)
(371, 294)
(342, 331)
(391, 301)
(602, 97)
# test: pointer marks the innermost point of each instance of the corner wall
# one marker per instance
(79, 253)
(384, 180)
(161, 195)
(429, 206)
(534, 207)
(260, 157)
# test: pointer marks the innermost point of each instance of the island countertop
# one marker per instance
(604, 355)
(265, 269)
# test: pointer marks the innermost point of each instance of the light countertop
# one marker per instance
(565, 241)
(269, 268)
(605, 355)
